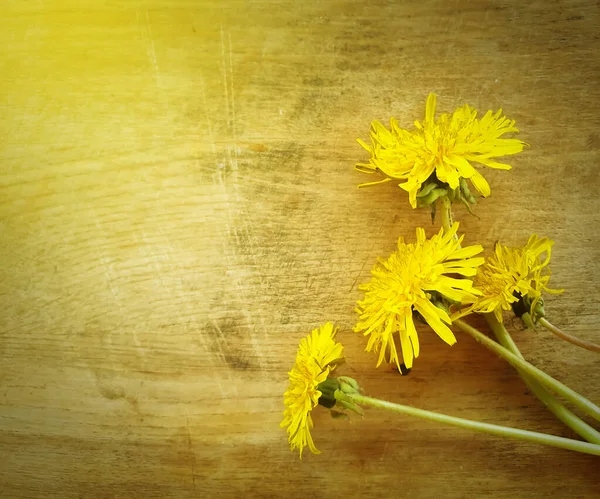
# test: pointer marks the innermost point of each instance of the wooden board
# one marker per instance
(178, 207)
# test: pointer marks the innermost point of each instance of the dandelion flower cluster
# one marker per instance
(406, 282)
(444, 148)
(318, 355)
(512, 274)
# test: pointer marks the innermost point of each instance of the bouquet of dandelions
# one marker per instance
(439, 281)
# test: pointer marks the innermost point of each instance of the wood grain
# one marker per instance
(178, 207)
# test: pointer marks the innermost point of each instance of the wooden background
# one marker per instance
(178, 207)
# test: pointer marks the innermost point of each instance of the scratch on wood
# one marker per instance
(359, 273)
(236, 210)
(383, 453)
(233, 121)
(139, 347)
(225, 85)
(233, 160)
(222, 354)
(192, 455)
(208, 125)
(151, 51)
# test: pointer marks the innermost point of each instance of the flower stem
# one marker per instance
(556, 386)
(447, 218)
(504, 431)
(550, 401)
(568, 337)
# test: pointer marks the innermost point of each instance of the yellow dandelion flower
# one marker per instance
(443, 149)
(408, 281)
(511, 275)
(318, 355)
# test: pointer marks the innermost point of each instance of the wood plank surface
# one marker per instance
(178, 207)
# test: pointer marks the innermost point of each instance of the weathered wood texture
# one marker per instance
(178, 207)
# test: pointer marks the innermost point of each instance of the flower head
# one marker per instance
(318, 355)
(409, 281)
(442, 149)
(513, 275)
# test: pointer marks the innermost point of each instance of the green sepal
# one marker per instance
(346, 402)
(523, 309)
(328, 389)
(348, 385)
(426, 189)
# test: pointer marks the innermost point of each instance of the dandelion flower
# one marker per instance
(407, 282)
(318, 355)
(511, 275)
(442, 149)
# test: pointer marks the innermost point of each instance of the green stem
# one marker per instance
(447, 218)
(556, 386)
(504, 431)
(592, 347)
(550, 401)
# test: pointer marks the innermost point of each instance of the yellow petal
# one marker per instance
(481, 184)
(444, 332)
(412, 334)
(467, 252)
(464, 168)
(430, 109)
(407, 351)
(430, 312)
(367, 147)
(369, 184)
